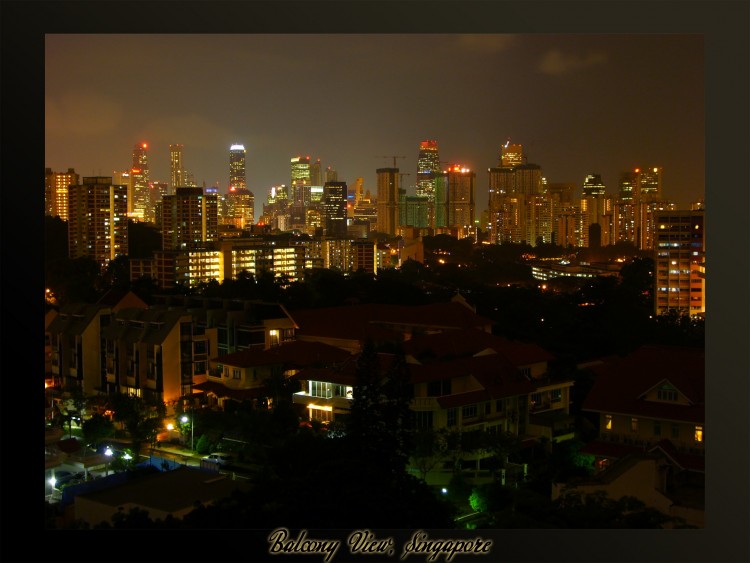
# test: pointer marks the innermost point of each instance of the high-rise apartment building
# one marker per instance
(189, 219)
(387, 200)
(97, 219)
(176, 167)
(648, 183)
(510, 184)
(680, 262)
(428, 168)
(334, 208)
(56, 192)
(455, 206)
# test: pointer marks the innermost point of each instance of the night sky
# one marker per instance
(579, 104)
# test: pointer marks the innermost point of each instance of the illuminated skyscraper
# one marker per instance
(237, 175)
(510, 185)
(97, 220)
(56, 192)
(455, 207)
(300, 184)
(316, 173)
(331, 175)
(511, 155)
(189, 219)
(334, 208)
(140, 181)
(176, 167)
(648, 183)
(680, 262)
(387, 200)
(428, 167)
(595, 210)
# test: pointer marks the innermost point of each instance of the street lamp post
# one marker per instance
(108, 453)
(192, 425)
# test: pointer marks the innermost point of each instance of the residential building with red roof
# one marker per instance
(652, 403)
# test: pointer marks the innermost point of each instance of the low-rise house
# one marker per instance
(253, 374)
(653, 401)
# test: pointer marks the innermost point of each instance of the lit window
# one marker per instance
(608, 421)
(699, 434)
(634, 425)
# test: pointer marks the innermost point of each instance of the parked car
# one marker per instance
(222, 459)
(67, 478)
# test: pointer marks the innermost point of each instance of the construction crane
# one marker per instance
(401, 177)
(393, 157)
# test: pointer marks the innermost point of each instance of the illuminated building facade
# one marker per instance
(316, 173)
(428, 168)
(334, 208)
(648, 183)
(56, 192)
(457, 205)
(177, 170)
(680, 262)
(140, 179)
(511, 155)
(299, 189)
(596, 212)
(237, 174)
(387, 200)
(189, 219)
(97, 220)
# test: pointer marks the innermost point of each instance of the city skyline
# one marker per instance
(578, 105)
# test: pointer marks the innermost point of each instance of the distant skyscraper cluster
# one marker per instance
(522, 207)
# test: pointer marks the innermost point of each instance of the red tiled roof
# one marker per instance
(614, 450)
(620, 384)
(221, 390)
(297, 353)
(470, 341)
(352, 322)
(327, 375)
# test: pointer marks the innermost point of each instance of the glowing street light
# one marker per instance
(108, 453)
(184, 420)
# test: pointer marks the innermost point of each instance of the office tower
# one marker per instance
(331, 175)
(428, 167)
(97, 219)
(334, 209)
(56, 192)
(140, 181)
(157, 190)
(680, 262)
(595, 208)
(648, 183)
(299, 188)
(511, 155)
(240, 207)
(387, 200)
(189, 219)
(237, 175)
(316, 173)
(177, 170)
